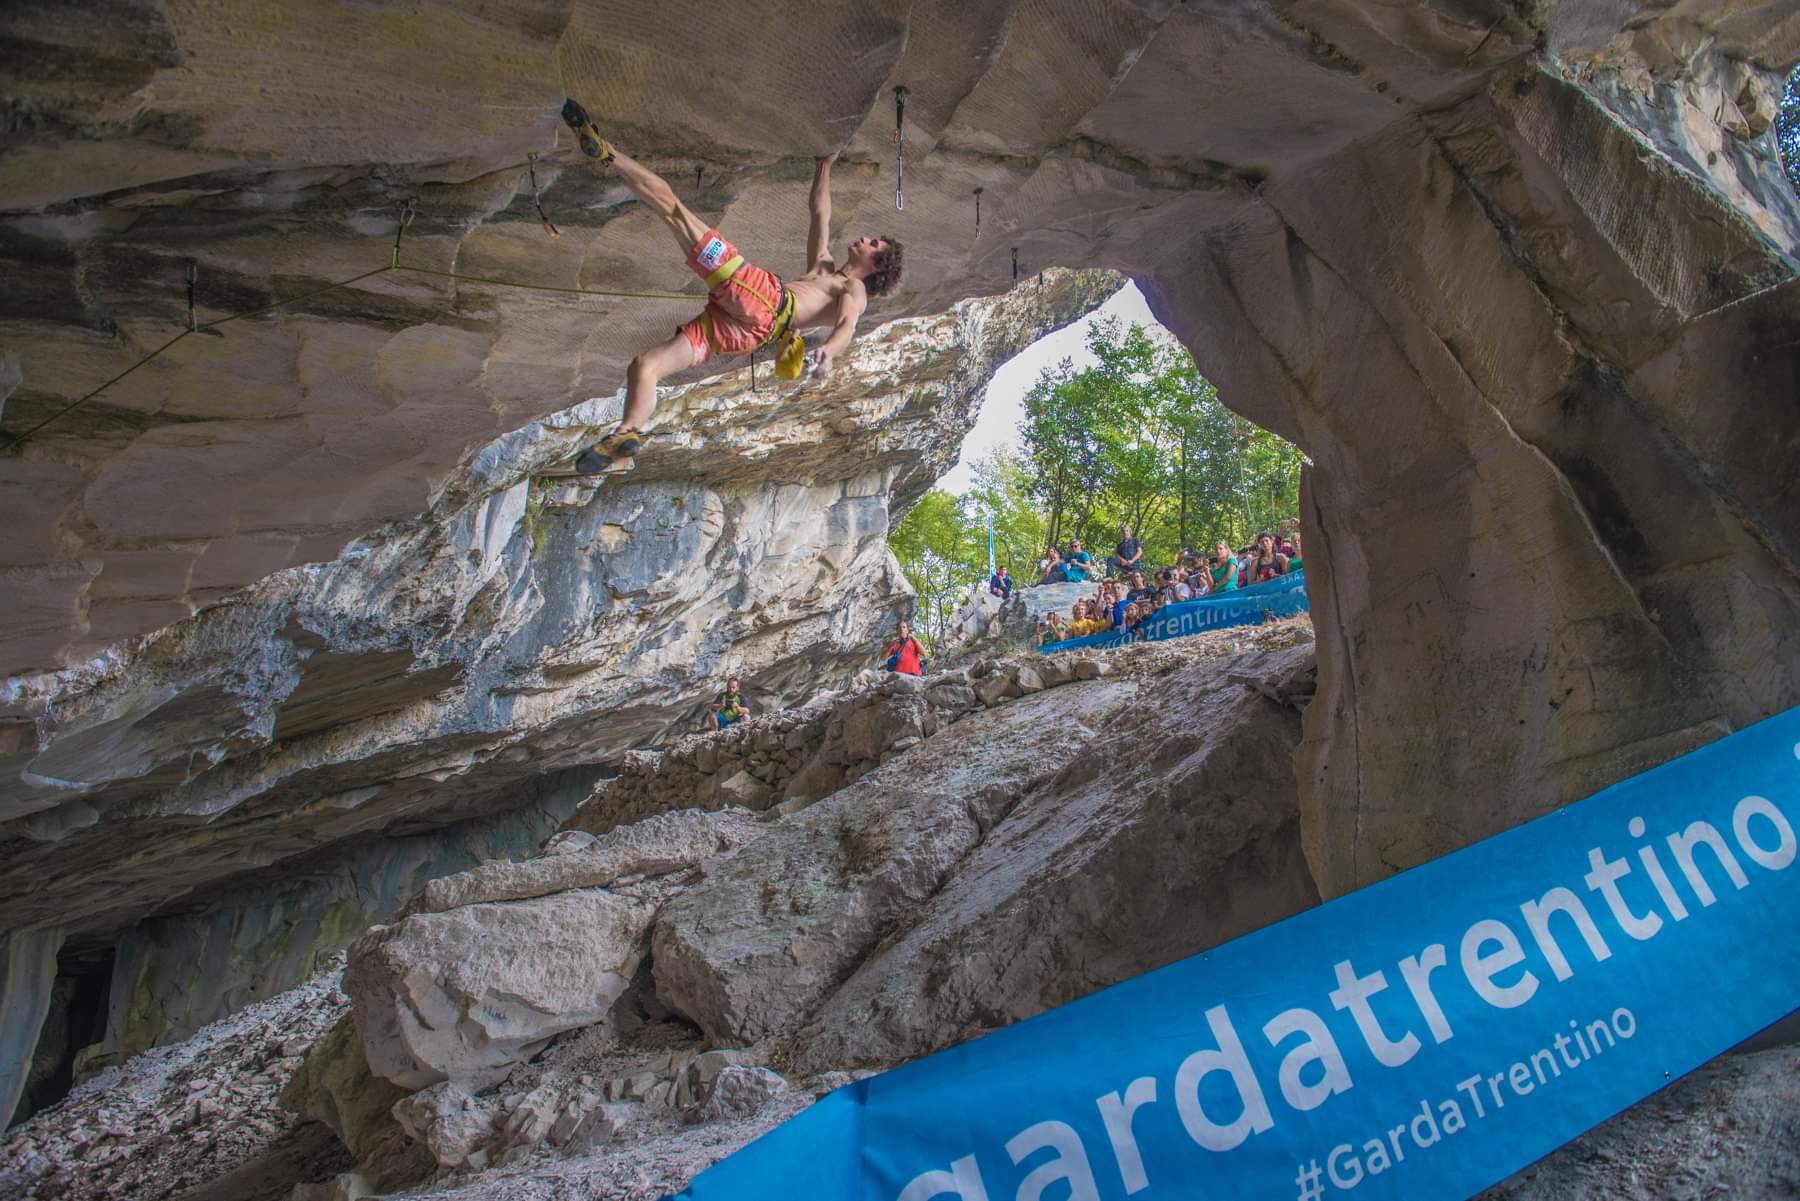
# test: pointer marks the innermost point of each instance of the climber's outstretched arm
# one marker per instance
(817, 250)
(851, 308)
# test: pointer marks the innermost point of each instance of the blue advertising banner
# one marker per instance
(1424, 1037)
(1282, 596)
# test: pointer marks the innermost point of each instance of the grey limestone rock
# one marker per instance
(1150, 845)
(465, 995)
(754, 947)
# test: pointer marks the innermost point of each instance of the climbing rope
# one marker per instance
(195, 326)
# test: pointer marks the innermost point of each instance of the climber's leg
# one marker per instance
(648, 370)
(641, 378)
(655, 191)
(649, 187)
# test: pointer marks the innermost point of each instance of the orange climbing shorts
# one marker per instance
(740, 310)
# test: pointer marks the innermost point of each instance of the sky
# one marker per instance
(1003, 406)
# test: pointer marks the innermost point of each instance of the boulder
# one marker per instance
(696, 1081)
(737, 1092)
(751, 949)
(1149, 848)
(994, 689)
(745, 791)
(467, 995)
(1027, 678)
(455, 1127)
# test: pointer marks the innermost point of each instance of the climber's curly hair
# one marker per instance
(886, 276)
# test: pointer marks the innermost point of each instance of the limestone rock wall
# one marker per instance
(520, 627)
(1518, 279)
(173, 974)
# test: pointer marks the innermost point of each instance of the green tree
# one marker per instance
(932, 544)
(1141, 439)
(1003, 489)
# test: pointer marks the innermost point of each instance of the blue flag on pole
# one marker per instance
(1424, 1037)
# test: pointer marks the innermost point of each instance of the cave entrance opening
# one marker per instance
(75, 1021)
(1105, 424)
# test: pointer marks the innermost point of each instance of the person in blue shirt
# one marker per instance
(1078, 564)
(1000, 584)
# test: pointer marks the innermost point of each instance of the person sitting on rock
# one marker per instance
(1000, 584)
(1077, 564)
(902, 654)
(1127, 555)
(1053, 569)
(730, 708)
(747, 307)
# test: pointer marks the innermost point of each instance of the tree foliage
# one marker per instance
(942, 543)
(1140, 438)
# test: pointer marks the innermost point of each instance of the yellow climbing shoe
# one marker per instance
(790, 360)
(622, 443)
(592, 144)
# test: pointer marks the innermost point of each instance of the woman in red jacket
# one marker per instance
(902, 654)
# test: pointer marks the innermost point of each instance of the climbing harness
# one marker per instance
(408, 213)
(899, 148)
(790, 359)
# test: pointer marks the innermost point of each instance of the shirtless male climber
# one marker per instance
(746, 307)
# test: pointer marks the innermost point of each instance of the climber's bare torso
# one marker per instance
(826, 297)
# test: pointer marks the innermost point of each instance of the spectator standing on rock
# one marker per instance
(730, 708)
(1224, 568)
(1000, 584)
(1266, 562)
(902, 654)
(1126, 555)
(1140, 592)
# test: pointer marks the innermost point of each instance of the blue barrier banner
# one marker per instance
(1424, 1037)
(1283, 596)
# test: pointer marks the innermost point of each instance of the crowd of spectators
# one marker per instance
(1127, 596)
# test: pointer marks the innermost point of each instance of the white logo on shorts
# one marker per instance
(711, 253)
